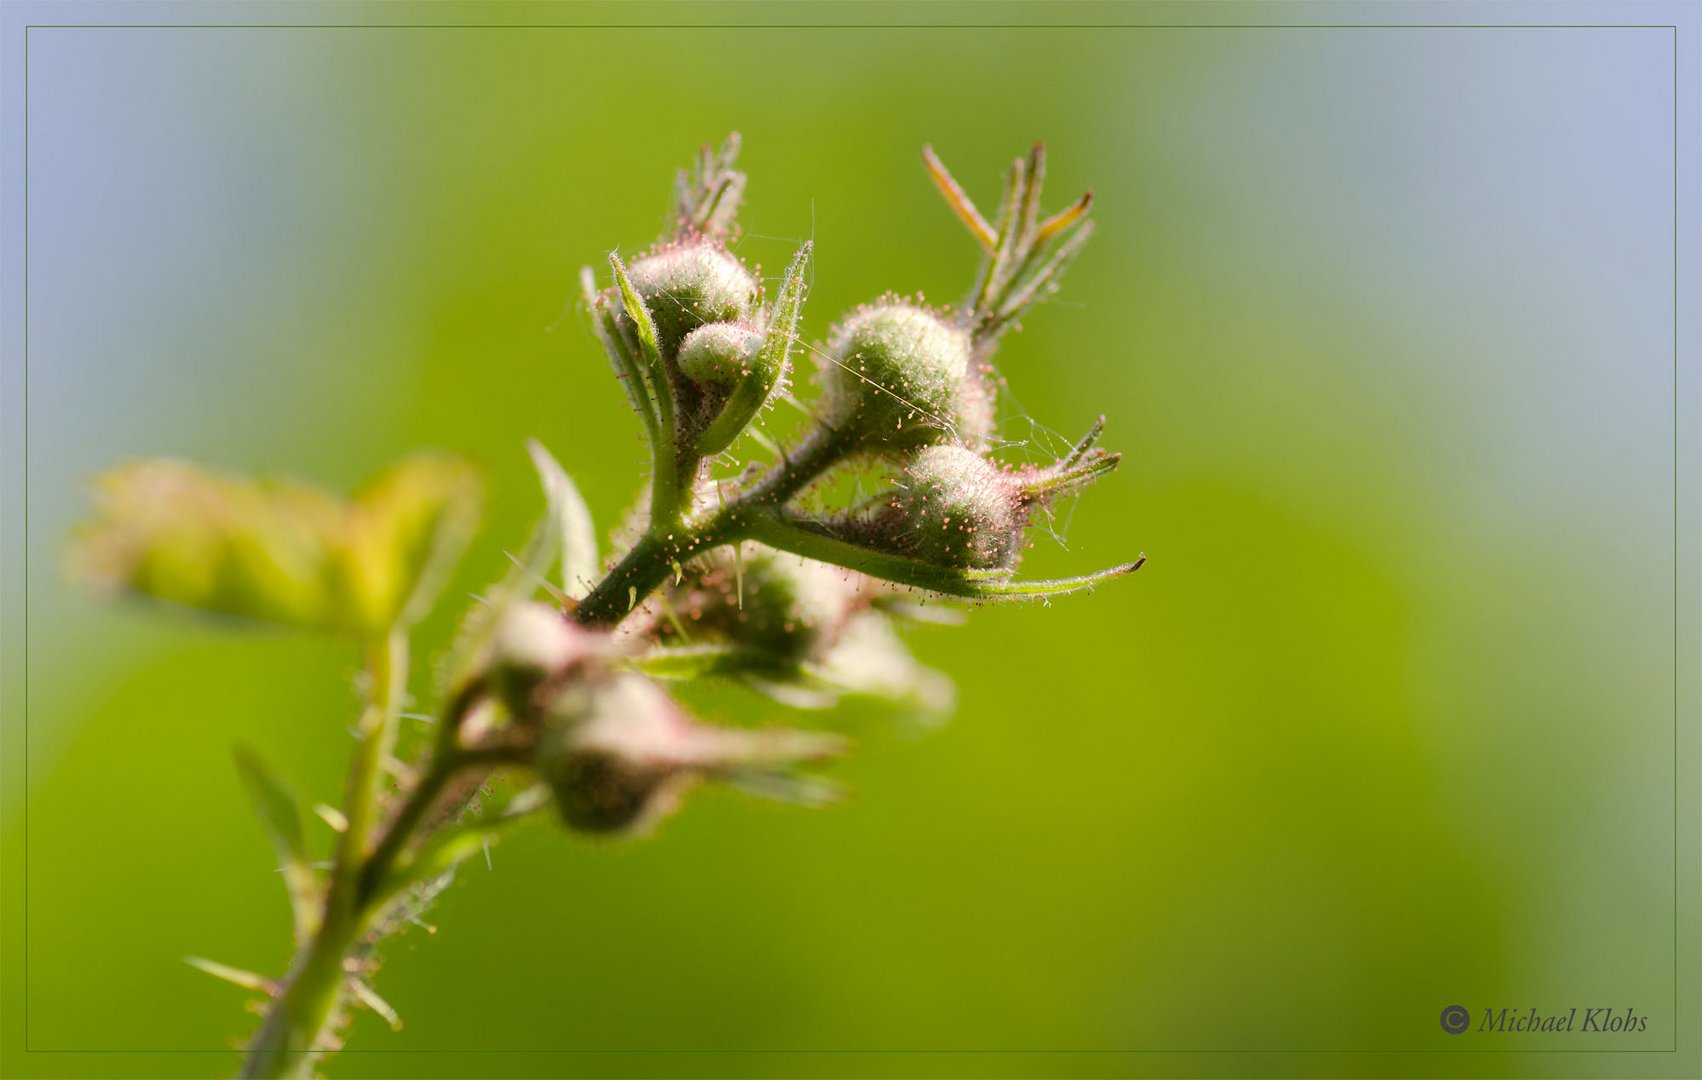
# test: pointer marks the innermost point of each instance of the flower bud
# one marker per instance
(532, 643)
(719, 355)
(894, 375)
(777, 605)
(955, 508)
(690, 284)
(605, 754)
(619, 754)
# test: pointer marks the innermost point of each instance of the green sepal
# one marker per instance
(810, 539)
(769, 365)
(565, 531)
(570, 522)
(664, 451)
(643, 325)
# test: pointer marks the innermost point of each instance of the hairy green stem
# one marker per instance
(413, 811)
(442, 767)
(823, 448)
(669, 544)
(295, 1028)
(645, 567)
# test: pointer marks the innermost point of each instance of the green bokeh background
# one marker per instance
(1381, 321)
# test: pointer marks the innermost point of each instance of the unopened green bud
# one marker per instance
(690, 284)
(720, 355)
(894, 375)
(955, 508)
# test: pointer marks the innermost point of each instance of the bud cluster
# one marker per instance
(755, 573)
(749, 575)
(616, 752)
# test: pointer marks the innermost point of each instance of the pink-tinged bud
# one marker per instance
(894, 375)
(532, 644)
(955, 508)
(690, 284)
(604, 754)
(619, 754)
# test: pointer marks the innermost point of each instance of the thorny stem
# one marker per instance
(293, 1034)
(442, 768)
(819, 451)
(669, 544)
(298, 1021)
(377, 739)
(643, 568)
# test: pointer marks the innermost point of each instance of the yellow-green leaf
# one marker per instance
(406, 530)
(278, 551)
(214, 541)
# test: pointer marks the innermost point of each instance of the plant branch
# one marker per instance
(293, 1034)
(445, 763)
(388, 668)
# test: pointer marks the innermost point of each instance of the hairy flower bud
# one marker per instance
(719, 355)
(619, 754)
(532, 643)
(894, 375)
(690, 284)
(779, 606)
(603, 753)
(955, 508)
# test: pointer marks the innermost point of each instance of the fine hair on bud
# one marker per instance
(691, 283)
(954, 508)
(719, 354)
(894, 375)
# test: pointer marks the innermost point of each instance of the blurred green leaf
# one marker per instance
(407, 528)
(277, 551)
(565, 531)
(218, 542)
(278, 812)
(571, 520)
